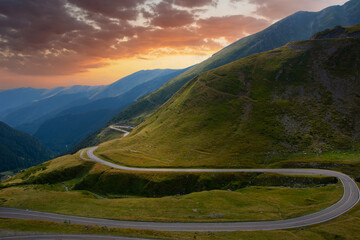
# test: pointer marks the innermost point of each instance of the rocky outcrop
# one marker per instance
(338, 32)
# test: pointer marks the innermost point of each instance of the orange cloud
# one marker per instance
(277, 9)
(123, 9)
(165, 15)
(65, 37)
(195, 3)
(230, 27)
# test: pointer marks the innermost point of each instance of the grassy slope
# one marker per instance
(299, 98)
(252, 203)
(345, 227)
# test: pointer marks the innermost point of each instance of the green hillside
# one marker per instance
(298, 99)
(20, 150)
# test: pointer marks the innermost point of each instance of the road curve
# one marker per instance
(118, 128)
(349, 199)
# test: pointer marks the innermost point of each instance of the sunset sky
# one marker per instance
(48, 43)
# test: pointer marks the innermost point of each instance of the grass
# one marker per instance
(353, 29)
(66, 168)
(347, 162)
(18, 227)
(7, 173)
(109, 134)
(346, 227)
(252, 203)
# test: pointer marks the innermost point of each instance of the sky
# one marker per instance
(45, 44)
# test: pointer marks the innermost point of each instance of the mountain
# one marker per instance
(62, 133)
(10, 100)
(30, 106)
(127, 83)
(74, 124)
(300, 98)
(299, 26)
(35, 106)
(19, 150)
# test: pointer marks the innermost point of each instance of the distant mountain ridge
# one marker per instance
(125, 84)
(24, 105)
(9, 99)
(20, 150)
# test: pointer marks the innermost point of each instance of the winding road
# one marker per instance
(349, 199)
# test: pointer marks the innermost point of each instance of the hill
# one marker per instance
(300, 98)
(19, 150)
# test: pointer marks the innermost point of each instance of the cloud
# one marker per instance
(120, 9)
(230, 27)
(62, 37)
(165, 15)
(277, 9)
(195, 3)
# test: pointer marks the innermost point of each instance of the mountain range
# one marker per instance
(58, 116)
(72, 125)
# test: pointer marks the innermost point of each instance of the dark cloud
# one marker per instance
(165, 15)
(195, 3)
(120, 9)
(61, 37)
(42, 37)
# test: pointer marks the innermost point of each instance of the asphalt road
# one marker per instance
(65, 236)
(349, 199)
(118, 128)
